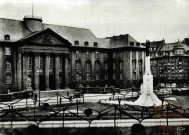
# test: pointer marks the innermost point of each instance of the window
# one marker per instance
(114, 55)
(77, 54)
(140, 65)
(95, 44)
(7, 51)
(138, 43)
(76, 42)
(121, 76)
(134, 75)
(87, 65)
(106, 65)
(8, 65)
(106, 76)
(134, 64)
(60, 62)
(41, 62)
(51, 63)
(77, 77)
(86, 43)
(97, 76)
(105, 55)
(29, 62)
(78, 65)
(121, 54)
(140, 55)
(114, 76)
(60, 80)
(121, 65)
(132, 43)
(97, 65)
(140, 75)
(166, 53)
(88, 77)
(8, 78)
(180, 75)
(97, 54)
(133, 55)
(114, 65)
(87, 55)
(7, 37)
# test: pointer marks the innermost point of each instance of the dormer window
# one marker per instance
(7, 37)
(86, 43)
(95, 44)
(132, 43)
(76, 42)
(138, 44)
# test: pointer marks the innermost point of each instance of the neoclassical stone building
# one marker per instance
(40, 56)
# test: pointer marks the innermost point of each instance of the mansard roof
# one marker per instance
(18, 31)
(172, 46)
(123, 41)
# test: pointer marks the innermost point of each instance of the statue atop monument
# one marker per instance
(147, 47)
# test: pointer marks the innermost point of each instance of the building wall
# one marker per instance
(170, 66)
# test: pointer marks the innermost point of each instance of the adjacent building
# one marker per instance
(39, 56)
(169, 63)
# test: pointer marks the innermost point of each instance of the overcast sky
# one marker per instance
(142, 19)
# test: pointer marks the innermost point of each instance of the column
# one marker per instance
(57, 67)
(24, 74)
(47, 66)
(19, 71)
(36, 72)
(2, 71)
(66, 72)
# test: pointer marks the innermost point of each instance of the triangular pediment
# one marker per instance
(46, 36)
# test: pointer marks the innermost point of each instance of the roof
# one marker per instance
(171, 46)
(123, 41)
(156, 43)
(17, 31)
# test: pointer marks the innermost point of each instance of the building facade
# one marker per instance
(40, 56)
(169, 63)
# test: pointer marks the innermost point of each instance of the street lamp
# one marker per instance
(34, 101)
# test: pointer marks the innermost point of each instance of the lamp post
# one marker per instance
(34, 101)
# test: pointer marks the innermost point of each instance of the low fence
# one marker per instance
(99, 90)
(16, 95)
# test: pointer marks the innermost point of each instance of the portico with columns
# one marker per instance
(42, 62)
